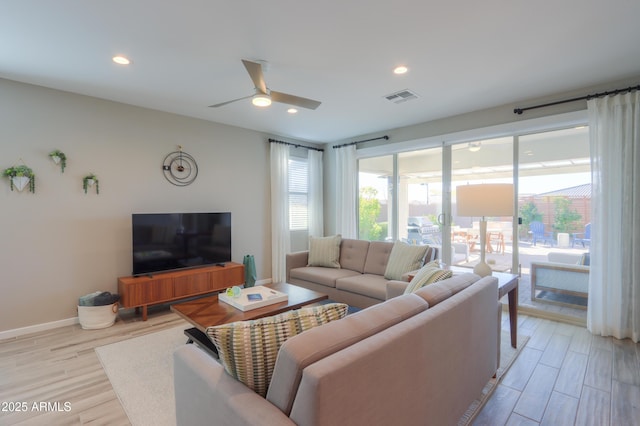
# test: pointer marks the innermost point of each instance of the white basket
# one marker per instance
(95, 317)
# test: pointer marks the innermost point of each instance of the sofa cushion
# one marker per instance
(321, 275)
(377, 257)
(307, 348)
(248, 349)
(353, 254)
(325, 251)
(366, 284)
(442, 290)
(428, 274)
(404, 258)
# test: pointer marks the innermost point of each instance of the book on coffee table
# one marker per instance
(253, 298)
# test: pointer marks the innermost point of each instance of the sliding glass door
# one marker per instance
(479, 162)
(420, 196)
(411, 196)
(555, 206)
(375, 198)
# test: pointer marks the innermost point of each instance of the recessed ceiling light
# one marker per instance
(122, 60)
(400, 70)
(292, 111)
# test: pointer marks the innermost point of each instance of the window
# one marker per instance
(298, 194)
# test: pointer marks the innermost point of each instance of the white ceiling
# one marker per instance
(462, 55)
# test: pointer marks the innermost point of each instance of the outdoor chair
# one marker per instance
(538, 233)
(582, 238)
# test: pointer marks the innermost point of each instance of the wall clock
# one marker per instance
(180, 168)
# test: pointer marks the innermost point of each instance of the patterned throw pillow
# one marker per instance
(248, 349)
(429, 273)
(404, 258)
(325, 251)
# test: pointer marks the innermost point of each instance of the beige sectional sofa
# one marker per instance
(359, 281)
(416, 359)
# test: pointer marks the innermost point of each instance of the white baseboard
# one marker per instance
(9, 334)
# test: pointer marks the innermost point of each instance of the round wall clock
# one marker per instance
(180, 168)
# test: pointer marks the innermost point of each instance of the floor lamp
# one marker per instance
(484, 200)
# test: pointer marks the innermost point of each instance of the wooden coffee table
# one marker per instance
(209, 311)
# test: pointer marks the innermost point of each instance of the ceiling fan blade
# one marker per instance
(255, 72)
(294, 100)
(228, 102)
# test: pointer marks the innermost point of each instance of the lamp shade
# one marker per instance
(490, 199)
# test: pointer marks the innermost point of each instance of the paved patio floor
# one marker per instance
(530, 253)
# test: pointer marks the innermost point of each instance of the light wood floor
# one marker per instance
(563, 376)
(566, 376)
(61, 366)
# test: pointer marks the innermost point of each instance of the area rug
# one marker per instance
(141, 373)
(507, 356)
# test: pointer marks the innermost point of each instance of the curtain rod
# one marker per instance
(296, 145)
(366, 140)
(519, 111)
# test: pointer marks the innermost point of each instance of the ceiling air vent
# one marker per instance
(401, 96)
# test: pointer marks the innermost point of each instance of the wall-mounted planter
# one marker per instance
(89, 181)
(60, 158)
(19, 182)
(20, 176)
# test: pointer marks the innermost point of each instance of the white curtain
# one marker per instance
(614, 283)
(280, 234)
(315, 198)
(346, 185)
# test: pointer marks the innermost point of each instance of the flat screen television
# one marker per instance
(169, 241)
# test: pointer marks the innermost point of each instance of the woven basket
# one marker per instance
(96, 317)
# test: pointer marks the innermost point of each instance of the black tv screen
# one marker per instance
(169, 241)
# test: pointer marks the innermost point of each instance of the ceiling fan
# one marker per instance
(263, 95)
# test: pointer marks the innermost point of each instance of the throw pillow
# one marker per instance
(404, 258)
(429, 273)
(325, 251)
(248, 349)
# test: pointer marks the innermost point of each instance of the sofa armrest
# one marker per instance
(395, 288)
(298, 259)
(206, 394)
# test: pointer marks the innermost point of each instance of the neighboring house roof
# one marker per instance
(580, 191)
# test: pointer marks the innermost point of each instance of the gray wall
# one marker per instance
(59, 244)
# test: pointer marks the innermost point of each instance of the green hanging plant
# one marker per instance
(59, 157)
(16, 172)
(89, 181)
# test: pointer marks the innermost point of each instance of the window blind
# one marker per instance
(298, 191)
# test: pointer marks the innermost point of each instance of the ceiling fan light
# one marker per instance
(261, 100)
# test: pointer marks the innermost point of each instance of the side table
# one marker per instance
(507, 285)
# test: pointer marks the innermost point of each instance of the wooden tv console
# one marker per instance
(144, 290)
